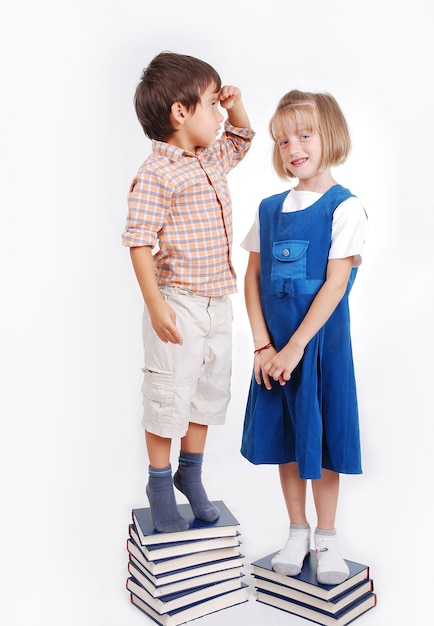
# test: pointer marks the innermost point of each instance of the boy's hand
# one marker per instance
(163, 319)
(229, 95)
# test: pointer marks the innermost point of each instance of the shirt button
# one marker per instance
(285, 252)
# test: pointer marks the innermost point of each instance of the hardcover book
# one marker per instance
(193, 611)
(184, 598)
(306, 581)
(343, 617)
(184, 573)
(161, 566)
(226, 525)
(179, 548)
(158, 591)
(333, 606)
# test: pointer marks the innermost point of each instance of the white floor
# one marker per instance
(66, 566)
(72, 459)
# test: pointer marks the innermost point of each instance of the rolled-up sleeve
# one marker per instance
(148, 206)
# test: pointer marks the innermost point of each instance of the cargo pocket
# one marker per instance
(158, 397)
(289, 259)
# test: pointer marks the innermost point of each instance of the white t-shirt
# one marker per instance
(348, 227)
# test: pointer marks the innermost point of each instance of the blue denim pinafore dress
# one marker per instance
(313, 419)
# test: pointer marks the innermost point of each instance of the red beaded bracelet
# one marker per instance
(259, 350)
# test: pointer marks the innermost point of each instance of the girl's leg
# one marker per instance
(332, 569)
(325, 494)
(159, 489)
(289, 560)
(294, 492)
(188, 477)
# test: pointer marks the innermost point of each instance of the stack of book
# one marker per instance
(302, 595)
(180, 576)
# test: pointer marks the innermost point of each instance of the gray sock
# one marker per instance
(332, 569)
(164, 511)
(188, 480)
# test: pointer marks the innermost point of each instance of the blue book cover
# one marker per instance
(178, 548)
(176, 563)
(174, 575)
(306, 581)
(159, 591)
(332, 606)
(195, 610)
(342, 618)
(226, 525)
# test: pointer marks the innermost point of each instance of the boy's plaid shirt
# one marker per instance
(181, 204)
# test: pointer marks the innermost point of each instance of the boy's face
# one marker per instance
(202, 127)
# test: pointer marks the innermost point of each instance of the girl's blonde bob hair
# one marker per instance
(314, 112)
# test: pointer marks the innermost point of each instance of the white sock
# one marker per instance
(289, 560)
(332, 568)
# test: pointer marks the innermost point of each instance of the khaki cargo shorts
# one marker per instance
(189, 382)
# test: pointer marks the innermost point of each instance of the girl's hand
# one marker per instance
(258, 367)
(283, 363)
(229, 95)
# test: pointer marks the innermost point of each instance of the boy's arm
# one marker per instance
(163, 317)
(231, 100)
(261, 336)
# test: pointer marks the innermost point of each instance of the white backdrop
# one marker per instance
(72, 457)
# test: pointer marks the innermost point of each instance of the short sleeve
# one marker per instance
(349, 230)
(251, 241)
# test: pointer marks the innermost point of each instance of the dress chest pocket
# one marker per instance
(289, 259)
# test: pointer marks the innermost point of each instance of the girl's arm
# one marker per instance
(163, 317)
(261, 336)
(281, 364)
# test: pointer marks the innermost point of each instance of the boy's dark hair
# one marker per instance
(170, 78)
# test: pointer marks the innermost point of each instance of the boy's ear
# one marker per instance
(178, 114)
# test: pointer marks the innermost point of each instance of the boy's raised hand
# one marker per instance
(228, 96)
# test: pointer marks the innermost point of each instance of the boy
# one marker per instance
(180, 201)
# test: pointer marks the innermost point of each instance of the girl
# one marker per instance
(305, 247)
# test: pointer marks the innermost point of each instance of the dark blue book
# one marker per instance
(173, 564)
(226, 525)
(159, 591)
(186, 597)
(333, 606)
(170, 575)
(179, 548)
(306, 581)
(193, 611)
(342, 618)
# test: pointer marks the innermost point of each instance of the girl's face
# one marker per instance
(300, 150)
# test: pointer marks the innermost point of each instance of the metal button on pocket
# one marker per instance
(285, 252)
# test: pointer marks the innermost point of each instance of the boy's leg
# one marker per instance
(332, 568)
(164, 511)
(209, 402)
(289, 560)
(188, 478)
